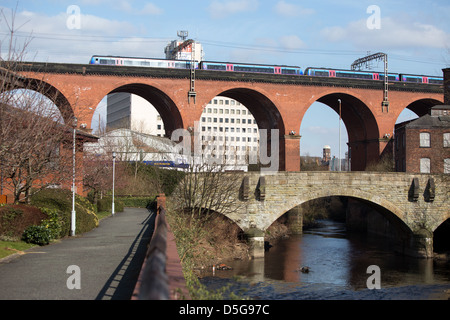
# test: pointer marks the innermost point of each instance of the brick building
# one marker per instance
(423, 145)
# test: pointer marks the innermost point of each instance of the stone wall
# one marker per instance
(391, 191)
(418, 203)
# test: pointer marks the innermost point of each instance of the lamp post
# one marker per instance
(339, 157)
(73, 215)
(114, 172)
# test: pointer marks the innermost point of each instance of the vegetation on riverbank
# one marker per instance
(209, 240)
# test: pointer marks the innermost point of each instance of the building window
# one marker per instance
(425, 165)
(424, 140)
(447, 165)
(446, 140)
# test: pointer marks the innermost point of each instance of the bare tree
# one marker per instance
(32, 133)
(206, 186)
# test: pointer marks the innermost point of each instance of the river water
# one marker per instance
(338, 269)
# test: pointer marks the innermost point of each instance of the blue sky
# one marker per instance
(414, 34)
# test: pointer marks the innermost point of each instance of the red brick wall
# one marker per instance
(275, 106)
(436, 152)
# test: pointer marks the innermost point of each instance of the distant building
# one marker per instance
(133, 146)
(228, 125)
(326, 154)
(423, 145)
(129, 111)
(183, 49)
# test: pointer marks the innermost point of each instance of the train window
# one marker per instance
(353, 75)
(435, 81)
(288, 71)
(253, 69)
(106, 61)
(216, 67)
(320, 73)
(412, 79)
(390, 77)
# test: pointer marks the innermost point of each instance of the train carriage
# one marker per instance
(254, 68)
(352, 74)
(261, 68)
(141, 62)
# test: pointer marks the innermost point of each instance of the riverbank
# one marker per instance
(338, 264)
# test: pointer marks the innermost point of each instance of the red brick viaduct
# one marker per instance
(276, 101)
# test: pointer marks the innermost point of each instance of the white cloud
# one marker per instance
(394, 33)
(291, 42)
(221, 9)
(148, 9)
(291, 10)
(52, 40)
(151, 9)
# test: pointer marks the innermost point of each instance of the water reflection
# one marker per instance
(338, 265)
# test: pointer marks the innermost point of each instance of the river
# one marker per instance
(338, 269)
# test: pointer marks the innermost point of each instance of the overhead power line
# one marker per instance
(213, 43)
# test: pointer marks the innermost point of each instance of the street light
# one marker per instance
(114, 172)
(73, 216)
(339, 157)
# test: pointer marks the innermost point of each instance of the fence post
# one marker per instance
(160, 202)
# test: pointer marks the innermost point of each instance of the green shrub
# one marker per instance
(54, 222)
(105, 204)
(39, 235)
(61, 201)
(136, 202)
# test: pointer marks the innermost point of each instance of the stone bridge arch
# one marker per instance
(416, 204)
(366, 197)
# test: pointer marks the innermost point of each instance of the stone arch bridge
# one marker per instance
(414, 204)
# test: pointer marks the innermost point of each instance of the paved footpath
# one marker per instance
(109, 260)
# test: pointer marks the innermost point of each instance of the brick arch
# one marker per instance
(53, 94)
(166, 107)
(421, 107)
(265, 112)
(361, 124)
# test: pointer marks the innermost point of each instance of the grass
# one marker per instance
(103, 214)
(10, 247)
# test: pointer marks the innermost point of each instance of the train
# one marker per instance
(262, 68)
